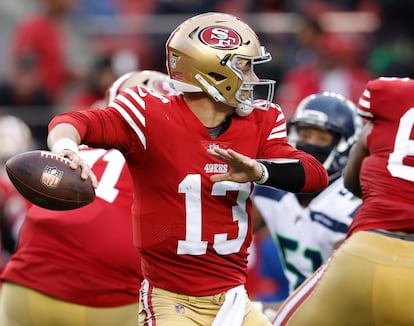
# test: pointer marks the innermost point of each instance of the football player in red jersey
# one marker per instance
(373, 270)
(192, 158)
(80, 267)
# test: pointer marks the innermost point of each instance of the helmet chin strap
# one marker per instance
(242, 109)
(329, 159)
(212, 91)
(184, 87)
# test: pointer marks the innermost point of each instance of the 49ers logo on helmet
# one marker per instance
(220, 37)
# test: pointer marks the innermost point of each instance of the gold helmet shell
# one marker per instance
(205, 53)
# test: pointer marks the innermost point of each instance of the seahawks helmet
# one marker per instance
(331, 112)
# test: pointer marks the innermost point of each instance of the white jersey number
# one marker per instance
(193, 243)
(107, 183)
(403, 147)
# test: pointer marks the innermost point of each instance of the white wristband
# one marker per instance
(65, 144)
(264, 176)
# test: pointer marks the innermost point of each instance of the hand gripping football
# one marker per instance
(47, 180)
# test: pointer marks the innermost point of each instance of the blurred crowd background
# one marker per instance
(59, 55)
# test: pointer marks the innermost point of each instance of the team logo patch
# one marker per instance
(179, 309)
(216, 168)
(51, 176)
(220, 37)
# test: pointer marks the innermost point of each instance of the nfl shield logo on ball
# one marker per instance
(51, 176)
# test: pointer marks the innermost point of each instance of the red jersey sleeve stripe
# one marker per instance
(364, 104)
(278, 132)
(136, 97)
(131, 122)
(132, 107)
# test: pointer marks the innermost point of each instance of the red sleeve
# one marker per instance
(98, 128)
(74, 118)
(316, 177)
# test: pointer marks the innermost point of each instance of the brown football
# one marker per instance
(47, 180)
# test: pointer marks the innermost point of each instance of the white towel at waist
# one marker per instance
(231, 312)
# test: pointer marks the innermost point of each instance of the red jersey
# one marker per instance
(387, 174)
(193, 234)
(85, 256)
(13, 207)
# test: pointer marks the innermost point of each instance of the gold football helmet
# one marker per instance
(150, 79)
(214, 53)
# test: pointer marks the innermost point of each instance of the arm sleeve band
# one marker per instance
(289, 176)
(63, 144)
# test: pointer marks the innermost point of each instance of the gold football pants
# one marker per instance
(20, 305)
(164, 308)
(368, 281)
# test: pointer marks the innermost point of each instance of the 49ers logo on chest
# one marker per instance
(220, 37)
